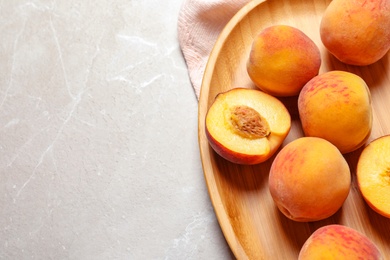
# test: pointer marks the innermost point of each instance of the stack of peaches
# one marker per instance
(248, 126)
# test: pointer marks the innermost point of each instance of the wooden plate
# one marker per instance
(252, 225)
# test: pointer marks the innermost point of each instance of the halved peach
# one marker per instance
(373, 175)
(246, 126)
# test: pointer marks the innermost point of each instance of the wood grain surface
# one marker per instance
(251, 223)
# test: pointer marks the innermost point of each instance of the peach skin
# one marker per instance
(338, 242)
(336, 106)
(357, 32)
(309, 179)
(282, 59)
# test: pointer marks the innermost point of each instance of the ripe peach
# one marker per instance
(339, 242)
(309, 179)
(336, 106)
(357, 32)
(282, 59)
(246, 126)
(373, 175)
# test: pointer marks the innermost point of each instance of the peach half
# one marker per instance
(339, 242)
(336, 106)
(373, 175)
(309, 179)
(246, 126)
(282, 59)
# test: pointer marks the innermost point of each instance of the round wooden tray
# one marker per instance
(251, 223)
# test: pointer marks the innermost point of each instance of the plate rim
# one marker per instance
(205, 149)
(209, 159)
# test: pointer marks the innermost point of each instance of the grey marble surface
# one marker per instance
(99, 153)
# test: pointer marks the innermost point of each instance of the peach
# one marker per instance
(309, 179)
(356, 32)
(373, 175)
(339, 242)
(282, 59)
(336, 106)
(246, 126)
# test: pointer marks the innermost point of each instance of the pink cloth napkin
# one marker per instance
(199, 24)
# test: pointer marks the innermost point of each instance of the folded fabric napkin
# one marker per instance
(199, 24)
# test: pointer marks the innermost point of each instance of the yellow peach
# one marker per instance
(356, 32)
(282, 59)
(373, 175)
(309, 179)
(336, 106)
(246, 126)
(338, 242)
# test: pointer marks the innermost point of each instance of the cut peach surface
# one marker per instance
(246, 126)
(373, 175)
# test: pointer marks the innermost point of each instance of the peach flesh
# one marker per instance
(246, 126)
(373, 175)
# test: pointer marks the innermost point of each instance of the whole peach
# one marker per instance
(339, 242)
(282, 59)
(336, 106)
(309, 179)
(357, 32)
